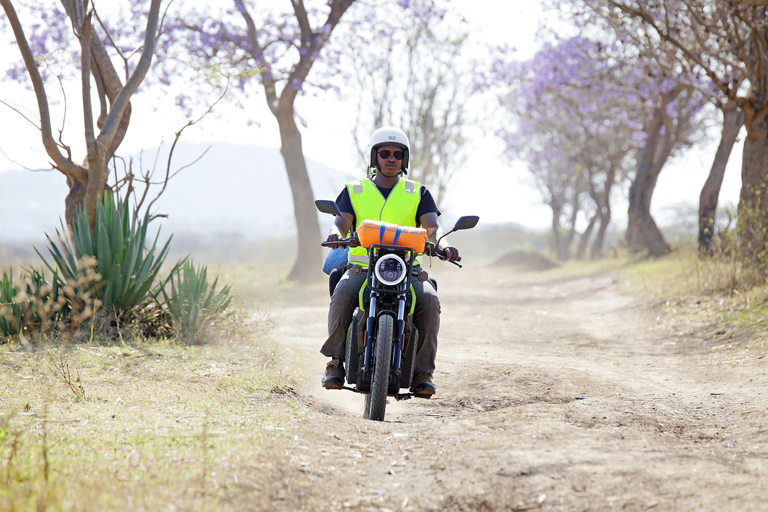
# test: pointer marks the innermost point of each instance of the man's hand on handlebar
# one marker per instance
(451, 254)
(335, 241)
(447, 253)
(333, 237)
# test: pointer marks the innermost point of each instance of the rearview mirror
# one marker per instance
(467, 222)
(330, 207)
(326, 206)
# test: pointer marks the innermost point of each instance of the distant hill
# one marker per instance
(236, 189)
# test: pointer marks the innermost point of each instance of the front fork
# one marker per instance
(397, 348)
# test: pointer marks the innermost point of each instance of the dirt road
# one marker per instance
(554, 393)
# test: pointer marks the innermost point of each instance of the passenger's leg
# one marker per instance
(344, 300)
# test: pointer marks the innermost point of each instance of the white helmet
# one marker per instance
(388, 136)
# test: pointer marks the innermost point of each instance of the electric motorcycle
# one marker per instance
(382, 340)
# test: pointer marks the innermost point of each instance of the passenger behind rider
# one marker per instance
(387, 197)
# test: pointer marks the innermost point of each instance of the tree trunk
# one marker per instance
(753, 206)
(77, 194)
(603, 200)
(556, 235)
(584, 241)
(97, 181)
(309, 258)
(733, 120)
(642, 231)
(598, 245)
(566, 251)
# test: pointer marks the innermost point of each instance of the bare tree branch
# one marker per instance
(168, 174)
(301, 17)
(30, 121)
(24, 166)
(65, 165)
(85, 72)
(102, 93)
(316, 42)
(257, 51)
(121, 102)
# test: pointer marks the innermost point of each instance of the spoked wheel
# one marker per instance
(376, 400)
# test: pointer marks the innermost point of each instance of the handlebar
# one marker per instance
(430, 249)
(345, 242)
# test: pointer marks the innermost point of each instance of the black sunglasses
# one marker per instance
(384, 154)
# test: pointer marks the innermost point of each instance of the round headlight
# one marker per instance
(390, 269)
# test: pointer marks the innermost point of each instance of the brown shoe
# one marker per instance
(334, 375)
(422, 385)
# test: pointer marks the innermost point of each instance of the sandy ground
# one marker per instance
(554, 393)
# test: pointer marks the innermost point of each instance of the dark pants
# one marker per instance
(426, 318)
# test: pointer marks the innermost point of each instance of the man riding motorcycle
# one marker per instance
(388, 197)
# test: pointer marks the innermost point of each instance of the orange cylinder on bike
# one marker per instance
(372, 232)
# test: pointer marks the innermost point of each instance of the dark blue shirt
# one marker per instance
(426, 203)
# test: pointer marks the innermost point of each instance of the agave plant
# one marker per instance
(190, 300)
(118, 243)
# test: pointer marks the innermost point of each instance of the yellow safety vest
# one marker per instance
(398, 208)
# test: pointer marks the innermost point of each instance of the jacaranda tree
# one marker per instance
(283, 51)
(724, 43)
(593, 104)
(275, 50)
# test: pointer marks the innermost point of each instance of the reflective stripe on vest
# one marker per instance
(399, 208)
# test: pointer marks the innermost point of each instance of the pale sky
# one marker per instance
(487, 186)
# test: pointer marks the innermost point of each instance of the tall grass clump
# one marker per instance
(190, 301)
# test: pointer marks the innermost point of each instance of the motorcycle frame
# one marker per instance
(379, 293)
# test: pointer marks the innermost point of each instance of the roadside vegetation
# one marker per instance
(177, 400)
(149, 425)
(127, 381)
(714, 298)
(105, 279)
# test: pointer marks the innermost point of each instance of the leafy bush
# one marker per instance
(118, 242)
(191, 301)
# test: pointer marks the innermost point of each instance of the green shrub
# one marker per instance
(118, 242)
(189, 300)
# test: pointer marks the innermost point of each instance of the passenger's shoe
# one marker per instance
(334, 375)
(422, 385)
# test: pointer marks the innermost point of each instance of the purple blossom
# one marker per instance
(666, 86)
(671, 109)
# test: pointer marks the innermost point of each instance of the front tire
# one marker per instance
(376, 400)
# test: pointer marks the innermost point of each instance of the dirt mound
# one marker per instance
(525, 261)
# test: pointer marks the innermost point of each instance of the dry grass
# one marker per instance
(709, 296)
(146, 426)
